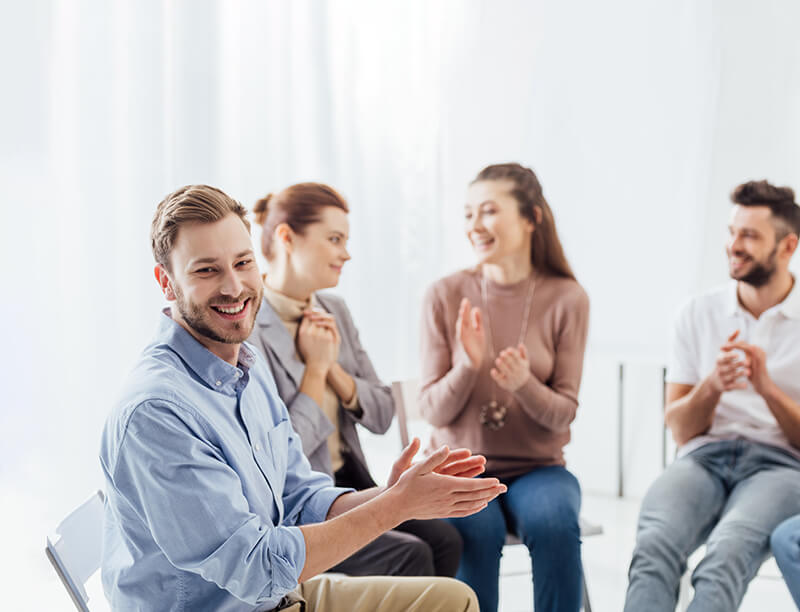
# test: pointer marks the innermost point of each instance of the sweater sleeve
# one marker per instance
(447, 380)
(553, 404)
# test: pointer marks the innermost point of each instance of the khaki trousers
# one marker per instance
(339, 593)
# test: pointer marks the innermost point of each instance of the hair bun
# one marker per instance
(260, 209)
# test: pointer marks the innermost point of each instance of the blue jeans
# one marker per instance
(729, 494)
(786, 548)
(542, 508)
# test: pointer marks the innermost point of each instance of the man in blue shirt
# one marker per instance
(211, 504)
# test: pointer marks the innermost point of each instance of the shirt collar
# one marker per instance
(789, 307)
(733, 305)
(217, 373)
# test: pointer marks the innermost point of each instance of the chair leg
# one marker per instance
(587, 605)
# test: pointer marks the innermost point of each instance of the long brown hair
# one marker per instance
(298, 206)
(547, 254)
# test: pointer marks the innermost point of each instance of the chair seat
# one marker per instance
(587, 529)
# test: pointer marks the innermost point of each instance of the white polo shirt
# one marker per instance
(703, 325)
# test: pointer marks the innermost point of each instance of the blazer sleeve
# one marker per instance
(309, 422)
(374, 397)
(447, 380)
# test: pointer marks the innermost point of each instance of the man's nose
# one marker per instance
(231, 284)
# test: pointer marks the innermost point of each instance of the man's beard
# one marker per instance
(760, 273)
(196, 317)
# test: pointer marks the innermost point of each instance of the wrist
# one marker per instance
(521, 385)
(712, 386)
(769, 391)
(317, 370)
(468, 362)
(389, 503)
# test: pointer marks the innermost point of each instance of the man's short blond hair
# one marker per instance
(189, 204)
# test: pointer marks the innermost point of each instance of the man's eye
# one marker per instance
(335, 239)
(204, 271)
(244, 263)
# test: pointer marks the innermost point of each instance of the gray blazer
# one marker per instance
(272, 338)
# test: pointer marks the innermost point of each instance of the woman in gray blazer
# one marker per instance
(324, 375)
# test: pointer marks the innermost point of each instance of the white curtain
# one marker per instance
(638, 116)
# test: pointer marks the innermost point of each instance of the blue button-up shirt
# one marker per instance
(206, 483)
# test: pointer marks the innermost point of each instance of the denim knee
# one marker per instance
(785, 541)
(556, 526)
(485, 530)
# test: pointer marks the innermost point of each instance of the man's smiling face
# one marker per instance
(214, 281)
(752, 245)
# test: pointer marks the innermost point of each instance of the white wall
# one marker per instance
(639, 116)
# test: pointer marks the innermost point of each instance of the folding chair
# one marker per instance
(405, 394)
(78, 547)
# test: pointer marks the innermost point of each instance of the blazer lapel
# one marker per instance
(278, 341)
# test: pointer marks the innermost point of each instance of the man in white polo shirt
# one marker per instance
(733, 406)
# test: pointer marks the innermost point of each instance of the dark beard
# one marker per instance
(760, 273)
(192, 315)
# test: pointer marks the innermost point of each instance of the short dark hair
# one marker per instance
(779, 200)
(189, 204)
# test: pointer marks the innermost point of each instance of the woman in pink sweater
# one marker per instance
(502, 354)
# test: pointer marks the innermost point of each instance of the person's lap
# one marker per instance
(394, 553)
(336, 593)
(715, 494)
(542, 508)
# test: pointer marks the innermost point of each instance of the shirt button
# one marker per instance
(218, 383)
(258, 447)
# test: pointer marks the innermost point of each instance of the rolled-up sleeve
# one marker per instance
(193, 503)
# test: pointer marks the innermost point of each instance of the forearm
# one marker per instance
(786, 412)
(442, 400)
(691, 415)
(342, 383)
(549, 408)
(332, 541)
(313, 383)
(348, 501)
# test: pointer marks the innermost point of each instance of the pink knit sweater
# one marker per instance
(540, 412)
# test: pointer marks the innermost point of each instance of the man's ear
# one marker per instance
(285, 236)
(790, 244)
(162, 277)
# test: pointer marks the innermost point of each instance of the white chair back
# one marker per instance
(77, 547)
(406, 405)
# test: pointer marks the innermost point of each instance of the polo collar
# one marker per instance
(732, 300)
(789, 307)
